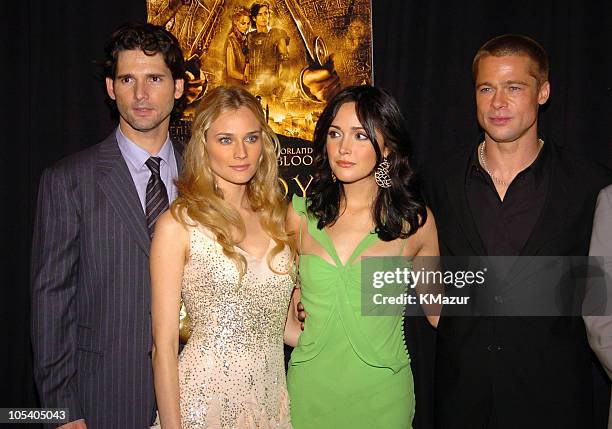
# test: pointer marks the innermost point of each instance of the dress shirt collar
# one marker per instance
(538, 167)
(136, 155)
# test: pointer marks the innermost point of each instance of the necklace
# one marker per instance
(483, 161)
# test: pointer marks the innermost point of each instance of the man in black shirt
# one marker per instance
(513, 194)
(504, 225)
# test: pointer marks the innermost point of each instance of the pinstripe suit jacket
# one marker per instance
(91, 329)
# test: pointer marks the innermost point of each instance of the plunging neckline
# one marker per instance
(208, 233)
(259, 259)
(322, 237)
(328, 245)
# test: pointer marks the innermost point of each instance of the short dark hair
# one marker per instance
(255, 9)
(398, 211)
(515, 44)
(150, 39)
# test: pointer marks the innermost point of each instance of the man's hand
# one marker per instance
(77, 424)
(320, 84)
(196, 87)
(301, 314)
(196, 84)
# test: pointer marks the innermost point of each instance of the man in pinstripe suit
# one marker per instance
(91, 329)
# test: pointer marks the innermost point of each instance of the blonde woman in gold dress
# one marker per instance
(235, 48)
(223, 248)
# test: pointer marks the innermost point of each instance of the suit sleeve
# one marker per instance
(54, 274)
(599, 328)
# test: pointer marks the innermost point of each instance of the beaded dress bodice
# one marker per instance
(231, 371)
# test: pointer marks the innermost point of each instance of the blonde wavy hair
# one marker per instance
(200, 201)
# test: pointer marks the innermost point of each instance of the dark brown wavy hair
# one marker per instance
(397, 211)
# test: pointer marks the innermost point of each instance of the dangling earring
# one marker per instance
(381, 174)
(334, 178)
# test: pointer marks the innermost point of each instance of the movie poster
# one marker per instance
(293, 55)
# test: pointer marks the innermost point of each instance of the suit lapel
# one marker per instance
(117, 184)
(549, 224)
(455, 188)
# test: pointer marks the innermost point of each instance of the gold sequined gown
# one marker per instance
(231, 372)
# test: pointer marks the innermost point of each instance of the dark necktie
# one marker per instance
(156, 200)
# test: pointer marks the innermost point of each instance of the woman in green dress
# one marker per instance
(350, 370)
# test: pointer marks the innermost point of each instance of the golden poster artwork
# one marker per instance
(295, 55)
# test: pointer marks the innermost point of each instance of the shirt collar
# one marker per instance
(473, 166)
(541, 163)
(136, 155)
(537, 167)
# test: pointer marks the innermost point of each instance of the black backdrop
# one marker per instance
(53, 105)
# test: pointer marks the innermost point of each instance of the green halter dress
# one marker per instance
(348, 370)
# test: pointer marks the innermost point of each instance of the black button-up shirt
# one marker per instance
(504, 226)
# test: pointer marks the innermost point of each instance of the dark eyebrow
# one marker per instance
(352, 128)
(124, 75)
